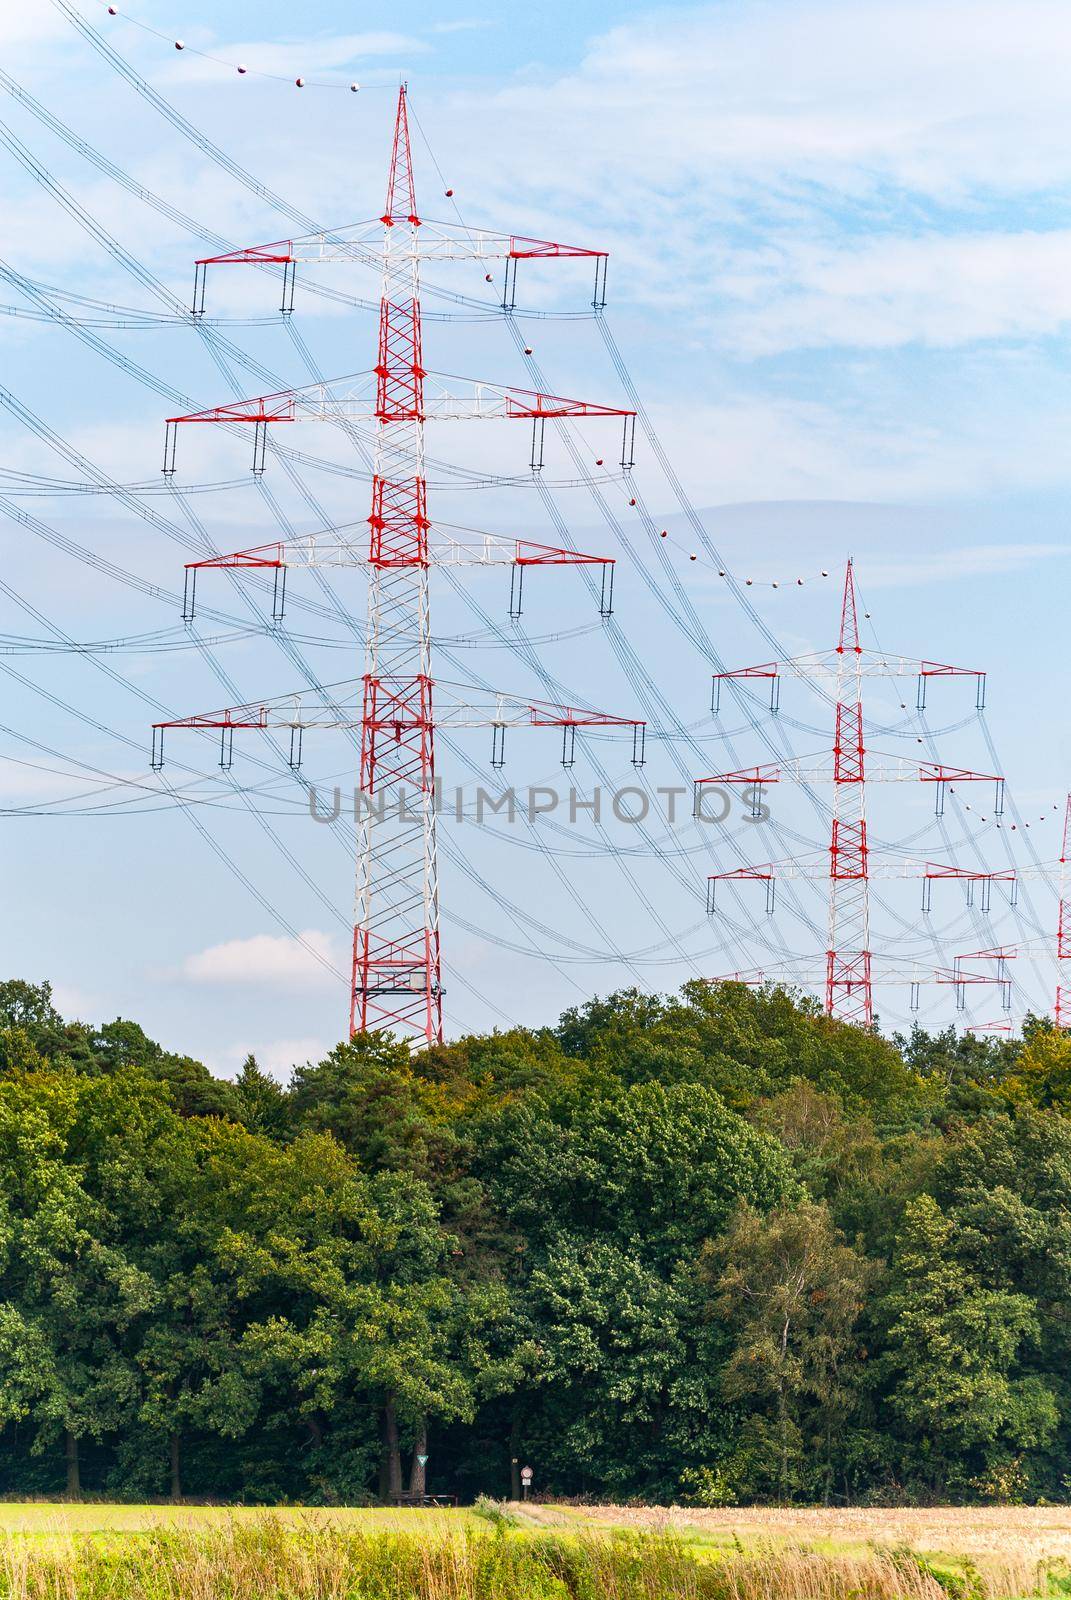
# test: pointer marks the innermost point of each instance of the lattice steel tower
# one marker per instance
(396, 965)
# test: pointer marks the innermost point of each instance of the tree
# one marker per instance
(790, 1293)
(261, 1104)
(951, 1365)
(70, 1291)
(610, 1341)
(651, 1163)
(366, 1093)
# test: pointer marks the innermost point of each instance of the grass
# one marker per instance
(209, 1555)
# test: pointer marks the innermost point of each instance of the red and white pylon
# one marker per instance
(396, 969)
(849, 991)
(1063, 926)
(848, 978)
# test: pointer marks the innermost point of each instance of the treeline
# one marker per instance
(713, 1247)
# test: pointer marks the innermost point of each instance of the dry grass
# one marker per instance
(1001, 1533)
(265, 1557)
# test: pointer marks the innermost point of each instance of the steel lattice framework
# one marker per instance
(1063, 925)
(849, 969)
(396, 966)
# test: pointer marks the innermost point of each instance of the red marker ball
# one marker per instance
(748, 582)
(528, 349)
(113, 11)
(449, 194)
(300, 82)
(598, 461)
(691, 558)
(632, 502)
(487, 278)
(665, 535)
(242, 71)
(355, 88)
(179, 45)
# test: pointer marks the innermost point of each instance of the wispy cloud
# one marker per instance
(276, 1056)
(936, 95)
(28, 24)
(464, 25)
(326, 53)
(264, 959)
(938, 290)
(968, 561)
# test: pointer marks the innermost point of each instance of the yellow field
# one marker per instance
(58, 1518)
(1021, 1532)
(100, 1551)
(1026, 1533)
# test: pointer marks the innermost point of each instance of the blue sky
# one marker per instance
(840, 252)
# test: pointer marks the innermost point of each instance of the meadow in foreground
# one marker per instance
(315, 1559)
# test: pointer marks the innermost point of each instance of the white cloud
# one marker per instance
(464, 25)
(27, 23)
(277, 1056)
(289, 57)
(75, 1004)
(265, 959)
(930, 93)
(888, 291)
(733, 155)
(753, 445)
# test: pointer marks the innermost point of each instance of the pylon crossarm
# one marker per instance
(506, 712)
(826, 667)
(887, 769)
(344, 547)
(870, 664)
(891, 870)
(998, 875)
(455, 710)
(770, 773)
(445, 399)
(822, 769)
(362, 242)
(336, 547)
(950, 975)
(401, 706)
(362, 245)
(421, 397)
(809, 971)
(998, 953)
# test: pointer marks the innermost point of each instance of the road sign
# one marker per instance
(527, 1474)
(423, 1460)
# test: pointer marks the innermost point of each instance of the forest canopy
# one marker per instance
(712, 1247)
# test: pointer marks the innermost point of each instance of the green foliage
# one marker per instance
(496, 1512)
(791, 1292)
(953, 1354)
(711, 1246)
(313, 1559)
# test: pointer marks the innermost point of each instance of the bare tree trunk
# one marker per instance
(74, 1482)
(392, 1454)
(418, 1477)
(176, 1468)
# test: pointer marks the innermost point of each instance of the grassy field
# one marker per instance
(52, 1551)
(1029, 1532)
